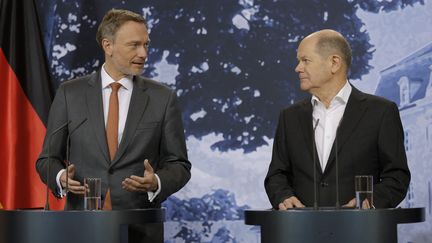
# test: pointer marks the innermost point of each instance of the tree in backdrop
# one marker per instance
(234, 61)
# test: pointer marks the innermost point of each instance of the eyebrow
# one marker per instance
(137, 42)
(302, 57)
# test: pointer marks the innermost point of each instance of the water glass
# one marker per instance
(364, 191)
(92, 195)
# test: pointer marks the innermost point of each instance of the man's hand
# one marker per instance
(147, 183)
(74, 186)
(291, 202)
(353, 202)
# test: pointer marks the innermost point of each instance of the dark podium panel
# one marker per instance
(72, 226)
(325, 226)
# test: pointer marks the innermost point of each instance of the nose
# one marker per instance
(299, 68)
(142, 52)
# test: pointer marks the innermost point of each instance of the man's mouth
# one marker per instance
(138, 63)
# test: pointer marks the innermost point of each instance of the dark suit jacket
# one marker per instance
(370, 142)
(153, 131)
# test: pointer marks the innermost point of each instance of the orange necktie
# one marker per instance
(112, 133)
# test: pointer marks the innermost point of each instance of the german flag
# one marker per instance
(25, 98)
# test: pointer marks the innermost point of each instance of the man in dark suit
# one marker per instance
(125, 129)
(370, 138)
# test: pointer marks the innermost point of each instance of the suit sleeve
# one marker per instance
(395, 176)
(174, 171)
(54, 144)
(277, 183)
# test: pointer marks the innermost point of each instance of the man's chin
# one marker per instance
(304, 87)
(136, 71)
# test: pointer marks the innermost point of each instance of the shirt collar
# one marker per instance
(126, 82)
(343, 94)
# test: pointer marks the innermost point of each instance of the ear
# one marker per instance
(336, 63)
(107, 46)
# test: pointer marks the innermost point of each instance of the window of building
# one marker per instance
(404, 92)
(407, 141)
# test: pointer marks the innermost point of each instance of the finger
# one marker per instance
(70, 180)
(142, 185)
(351, 203)
(71, 171)
(296, 203)
(63, 178)
(282, 206)
(365, 204)
(129, 185)
(73, 182)
(287, 203)
(134, 183)
(142, 180)
(70, 183)
(148, 167)
(128, 188)
(77, 189)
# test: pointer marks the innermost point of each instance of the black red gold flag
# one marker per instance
(25, 98)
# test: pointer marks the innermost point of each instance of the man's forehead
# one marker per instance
(305, 52)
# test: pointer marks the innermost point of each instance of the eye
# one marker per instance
(133, 45)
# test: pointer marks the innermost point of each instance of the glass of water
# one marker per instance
(92, 195)
(364, 191)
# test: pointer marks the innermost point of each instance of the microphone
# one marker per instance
(47, 207)
(67, 157)
(314, 157)
(314, 162)
(337, 164)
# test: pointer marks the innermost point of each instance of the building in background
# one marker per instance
(409, 83)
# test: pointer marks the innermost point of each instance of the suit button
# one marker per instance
(110, 171)
(324, 184)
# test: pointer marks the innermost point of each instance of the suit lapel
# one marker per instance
(95, 112)
(138, 104)
(354, 111)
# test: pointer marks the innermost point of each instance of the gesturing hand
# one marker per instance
(147, 183)
(74, 186)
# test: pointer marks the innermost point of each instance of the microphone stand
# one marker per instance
(47, 206)
(315, 206)
(67, 159)
(337, 170)
(314, 162)
(337, 165)
(67, 172)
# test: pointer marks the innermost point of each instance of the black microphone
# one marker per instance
(337, 164)
(67, 158)
(315, 162)
(47, 207)
(314, 157)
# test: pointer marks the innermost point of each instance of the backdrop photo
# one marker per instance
(232, 66)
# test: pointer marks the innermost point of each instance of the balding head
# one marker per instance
(329, 42)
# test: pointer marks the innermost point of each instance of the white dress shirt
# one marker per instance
(124, 97)
(329, 120)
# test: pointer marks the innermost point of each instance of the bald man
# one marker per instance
(370, 138)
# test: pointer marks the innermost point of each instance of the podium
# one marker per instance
(20, 226)
(331, 225)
